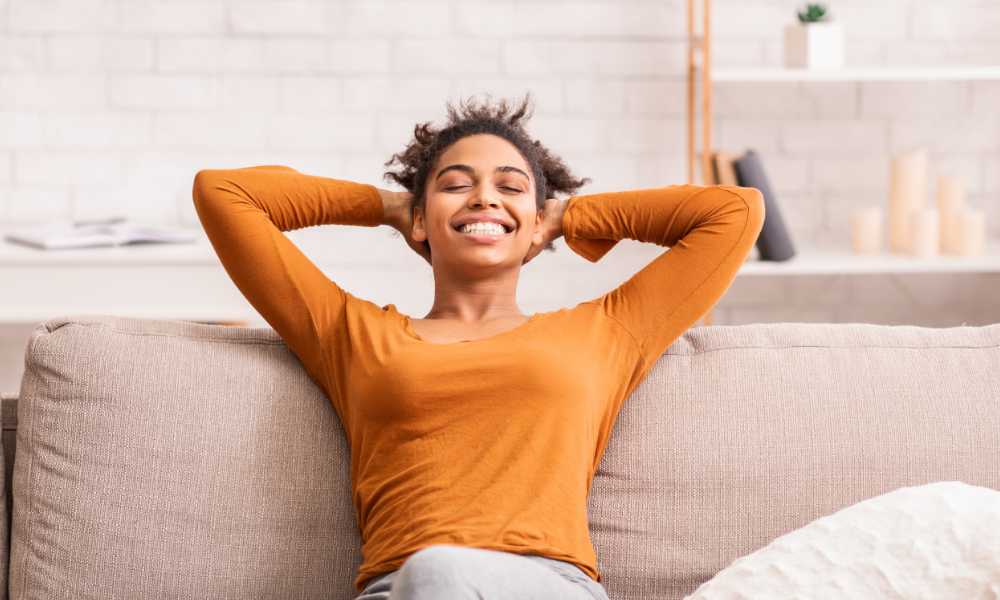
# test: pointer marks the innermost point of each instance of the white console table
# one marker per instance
(171, 281)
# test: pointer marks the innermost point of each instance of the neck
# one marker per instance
(475, 299)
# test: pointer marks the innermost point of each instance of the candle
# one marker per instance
(950, 199)
(866, 230)
(923, 232)
(971, 232)
(954, 235)
(907, 189)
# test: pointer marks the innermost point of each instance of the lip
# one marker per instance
(485, 238)
(474, 218)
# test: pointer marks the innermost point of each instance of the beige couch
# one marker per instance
(167, 459)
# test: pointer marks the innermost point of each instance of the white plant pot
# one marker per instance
(814, 46)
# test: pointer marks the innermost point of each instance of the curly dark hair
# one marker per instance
(504, 120)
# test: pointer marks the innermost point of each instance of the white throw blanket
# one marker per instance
(937, 541)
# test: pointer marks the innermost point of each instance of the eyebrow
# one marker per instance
(471, 171)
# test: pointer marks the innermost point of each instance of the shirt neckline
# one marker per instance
(408, 328)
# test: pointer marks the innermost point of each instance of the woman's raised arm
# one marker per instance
(710, 231)
(244, 212)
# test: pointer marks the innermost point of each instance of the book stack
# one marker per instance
(117, 231)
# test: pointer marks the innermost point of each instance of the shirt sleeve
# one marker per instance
(244, 212)
(710, 231)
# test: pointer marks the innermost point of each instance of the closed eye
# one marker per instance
(454, 187)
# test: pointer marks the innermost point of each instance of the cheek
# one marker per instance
(526, 227)
(436, 213)
(528, 224)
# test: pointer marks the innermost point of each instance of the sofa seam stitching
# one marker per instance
(987, 347)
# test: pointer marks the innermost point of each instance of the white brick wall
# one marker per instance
(111, 106)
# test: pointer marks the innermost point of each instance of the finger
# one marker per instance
(530, 255)
(423, 251)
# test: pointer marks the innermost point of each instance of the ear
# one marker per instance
(539, 234)
(419, 232)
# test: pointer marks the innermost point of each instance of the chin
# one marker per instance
(488, 261)
(482, 259)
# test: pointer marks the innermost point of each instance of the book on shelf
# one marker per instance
(712, 175)
(116, 231)
(725, 172)
(721, 170)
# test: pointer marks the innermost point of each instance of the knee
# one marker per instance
(437, 559)
(432, 573)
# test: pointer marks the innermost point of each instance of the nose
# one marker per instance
(485, 198)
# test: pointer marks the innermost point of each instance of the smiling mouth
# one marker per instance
(505, 230)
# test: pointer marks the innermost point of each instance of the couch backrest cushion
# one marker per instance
(167, 459)
(160, 458)
(6, 466)
(743, 433)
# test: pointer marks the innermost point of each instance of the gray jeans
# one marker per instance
(449, 572)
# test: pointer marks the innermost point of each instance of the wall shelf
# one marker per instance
(777, 74)
(152, 280)
(817, 260)
(812, 260)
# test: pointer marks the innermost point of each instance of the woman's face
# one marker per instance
(480, 179)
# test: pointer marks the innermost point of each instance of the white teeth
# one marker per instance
(483, 227)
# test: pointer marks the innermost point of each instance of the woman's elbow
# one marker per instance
(754, 200)
(205, 183)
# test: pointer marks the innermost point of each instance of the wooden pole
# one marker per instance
(706, 93)
(690, 91)
(706, 105)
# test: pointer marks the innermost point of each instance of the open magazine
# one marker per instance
(87, 234)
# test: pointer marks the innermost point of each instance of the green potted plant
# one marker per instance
(815, 40)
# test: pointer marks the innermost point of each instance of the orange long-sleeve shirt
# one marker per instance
(490, 443)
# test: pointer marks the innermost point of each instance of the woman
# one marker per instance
(476, 430)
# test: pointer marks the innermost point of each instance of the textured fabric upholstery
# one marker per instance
(165, 458)
(8, 417)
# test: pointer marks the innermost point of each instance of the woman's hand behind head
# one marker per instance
(551, 227)
(399, 216)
